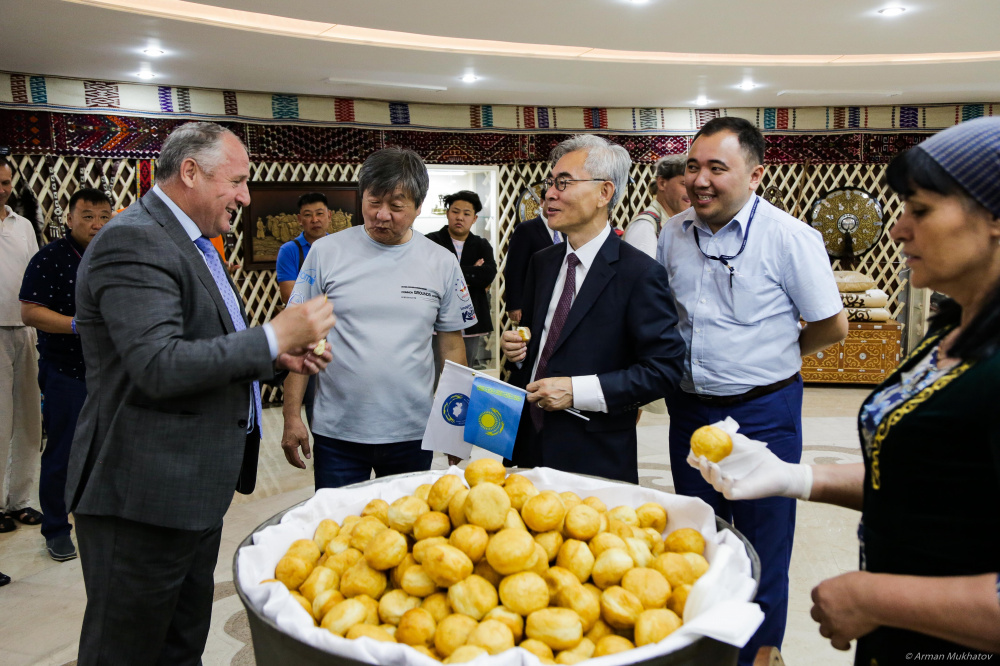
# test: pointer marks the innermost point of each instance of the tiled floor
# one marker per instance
(41, 611)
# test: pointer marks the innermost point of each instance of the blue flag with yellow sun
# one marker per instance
(493, 415)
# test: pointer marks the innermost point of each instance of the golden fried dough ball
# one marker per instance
(420, 548)
(654, 625)
(570, 499)
(396, 575)
(416, 627)
(394, 603)
(437, 605)
(581, 600)
(675, 568)
(605, 541)
(386, 550)
(293, 571)
(618, 528)
(537, 648)
(493, 635)
(446, 565)
(371, 606)
(551, 541)
(339, 543)
(596, 504)
(711, 442)
(474, 596)
(647, 536)
(306, 550)
(513, 621)
(638, 549)
(320, 579)
(365, 531)
(582, 522)
(431, 524)
(610, 566)
(343, 616)
(389, 629)
(486, 505)
(484, 570)
(519, 490)
(426, 651)
(612, 644)
(452, 633)
(699, 565)
(575, 556)
(540, 560)
(626, 514)
(416, 582)
(484, 470)
(544, 512)
(368, 631)
(344, 560)
(324, 601)
(405, 511)
(648, 585)
(556, 578)
(443, 490)
(685, 540)
(423, 491)
(465, 654)
(326, 530)
(524, 592)
(584, 648)
(559, 628)
(652, 515)
(599, 631)
(362, 579)
(302, 601)
(570, 657)
(513, 521)
(471, 540)
(655, 541)
(510, 551)
(378, 508)
(456, 508)
(678, 599)
(619, 607)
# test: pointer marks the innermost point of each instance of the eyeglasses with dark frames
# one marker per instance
(562, 182)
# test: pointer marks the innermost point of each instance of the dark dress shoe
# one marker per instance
(61, 548)
(4, 579)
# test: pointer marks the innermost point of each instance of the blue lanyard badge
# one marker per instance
(725, 258)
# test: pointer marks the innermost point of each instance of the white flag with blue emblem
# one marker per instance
(445, 430)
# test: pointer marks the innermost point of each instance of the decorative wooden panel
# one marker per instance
(867, 356)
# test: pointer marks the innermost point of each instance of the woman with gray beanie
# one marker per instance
(929, 486)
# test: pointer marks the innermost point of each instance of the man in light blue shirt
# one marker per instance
(314, 216)
(742, 274)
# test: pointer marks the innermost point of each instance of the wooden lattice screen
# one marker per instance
(801, 183)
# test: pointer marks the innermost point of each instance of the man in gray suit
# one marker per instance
(171, 424)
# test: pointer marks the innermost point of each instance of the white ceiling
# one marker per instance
(61, 38)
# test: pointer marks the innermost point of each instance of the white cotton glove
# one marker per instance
(752, 471)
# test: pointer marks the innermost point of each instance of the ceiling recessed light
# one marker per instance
(747, 85)
(146, 75)
(892, 11)
(469, 78)
(153, 52)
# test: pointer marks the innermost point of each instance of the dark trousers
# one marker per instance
(337, 463)
(149, 591)
(64, 398)
(768, 523)
(309, 398)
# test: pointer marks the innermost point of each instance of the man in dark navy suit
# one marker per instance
(528, 238)
(603, 325)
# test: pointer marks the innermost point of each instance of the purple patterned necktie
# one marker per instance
(555, 328)
(219, 275)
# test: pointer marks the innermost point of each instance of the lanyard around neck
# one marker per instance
(725, 258)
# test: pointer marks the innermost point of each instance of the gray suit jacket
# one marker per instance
(162, 437)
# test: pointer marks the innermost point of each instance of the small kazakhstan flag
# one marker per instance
(493, 415)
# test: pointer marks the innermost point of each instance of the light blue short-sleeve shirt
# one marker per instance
(746, 335)
(388, 300)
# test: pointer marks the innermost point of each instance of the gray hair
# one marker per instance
(671, 166)
(604, 160)
(391, 168)
(199, 141)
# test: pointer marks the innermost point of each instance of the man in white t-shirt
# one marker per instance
(670, 198)
(391, 289)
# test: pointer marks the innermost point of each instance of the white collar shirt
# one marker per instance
(746, 335)
(17, 246)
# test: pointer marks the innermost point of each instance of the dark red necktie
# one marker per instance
(555, 329)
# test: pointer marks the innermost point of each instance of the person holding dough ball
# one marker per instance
(928, 486)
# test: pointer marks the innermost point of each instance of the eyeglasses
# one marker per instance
(563, 182)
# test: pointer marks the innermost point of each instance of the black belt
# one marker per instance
(755, 392)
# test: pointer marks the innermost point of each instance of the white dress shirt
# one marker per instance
(587, 393)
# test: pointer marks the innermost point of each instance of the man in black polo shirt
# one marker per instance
(48, 302)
